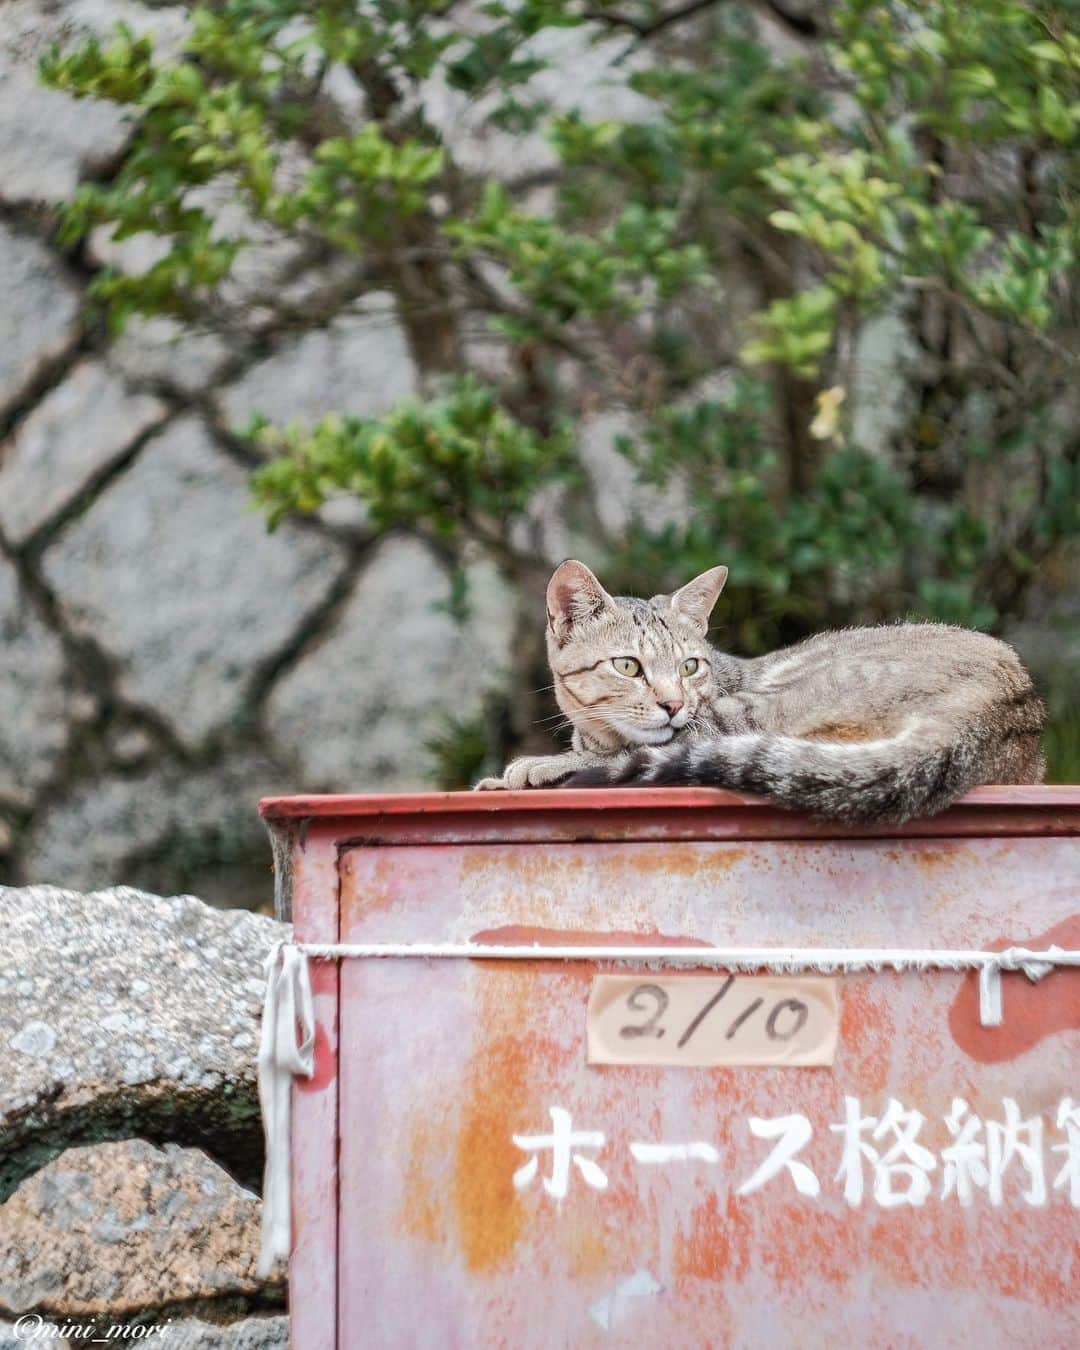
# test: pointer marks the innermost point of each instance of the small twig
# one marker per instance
(957, 298)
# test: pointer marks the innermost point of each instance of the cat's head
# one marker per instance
(629, 672)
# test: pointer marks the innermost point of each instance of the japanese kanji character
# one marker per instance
(905, 1158)
(794, 1134)
(1015, 1138)
(561, 1141)
(965, 1160)
(1068, 1119)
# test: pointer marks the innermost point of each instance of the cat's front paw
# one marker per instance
(532, 771)
(535, 771)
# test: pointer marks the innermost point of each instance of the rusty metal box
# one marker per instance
(462, 1177)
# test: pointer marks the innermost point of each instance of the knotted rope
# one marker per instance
(287, 1046)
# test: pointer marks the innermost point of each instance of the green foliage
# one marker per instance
(746, 225)
(786, 551)
(796, 331)
(563, 275)
(458, 466)
(470, 746)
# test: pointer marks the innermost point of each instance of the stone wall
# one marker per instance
(130, 1140)
(164, 661)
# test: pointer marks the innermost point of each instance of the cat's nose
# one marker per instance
(672, 707)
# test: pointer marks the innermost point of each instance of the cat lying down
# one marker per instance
(867, 725)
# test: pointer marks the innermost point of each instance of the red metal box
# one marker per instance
(462, 1177)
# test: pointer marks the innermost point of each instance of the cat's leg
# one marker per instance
(537, 771)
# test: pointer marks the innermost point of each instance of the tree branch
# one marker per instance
(646, 29)
(802, 25)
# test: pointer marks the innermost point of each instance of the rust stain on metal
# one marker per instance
(423, 1214)
(907, 1248)
(515, 865)
(588, 1249)
(490, 1216)
(517, 934)
(502, 1094)
(1033, 1011)
(801, 1237)
(946, 853)
(866, 1042)
(716, 1246)
(667, 859)
(685, 860)
(379, 890)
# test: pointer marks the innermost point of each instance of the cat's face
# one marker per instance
(629, 672)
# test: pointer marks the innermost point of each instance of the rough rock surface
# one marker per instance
(175, 575)
(46, 466)
(121, 1227)
(619, 498)
(160, 351)
(31, 680)
(41, 308)
(360, 364)
(48, 139)
(163, 816)
(125, 1014)
(254, 1333)
(398, 667)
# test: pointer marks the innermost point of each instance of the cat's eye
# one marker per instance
(689, 665)
(626, 665)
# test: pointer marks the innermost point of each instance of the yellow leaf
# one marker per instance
(827, 416)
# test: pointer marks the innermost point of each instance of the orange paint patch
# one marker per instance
(866, 1032)
(1031, 1011)
(907, 1247)
(985, 1250)
(588, 1249)
(422, 1213)
(717, 1245)
(801, 1238)
(1025, 1272)
(488, 1211)
(503, 1094)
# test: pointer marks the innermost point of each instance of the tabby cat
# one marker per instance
(867, 725)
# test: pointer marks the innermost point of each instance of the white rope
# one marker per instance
(782, 960)
(288, 1026)
(286, 1047)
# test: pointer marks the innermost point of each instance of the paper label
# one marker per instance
(705, 1020)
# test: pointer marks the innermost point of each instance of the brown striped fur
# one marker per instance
(866, 725)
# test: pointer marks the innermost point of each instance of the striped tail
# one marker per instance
(868, 782)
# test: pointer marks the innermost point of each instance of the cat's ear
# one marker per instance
(696, 599)
(573, 595)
